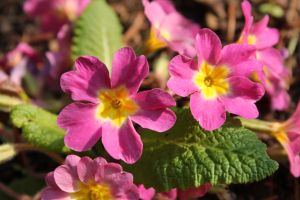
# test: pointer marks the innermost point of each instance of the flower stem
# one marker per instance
(259, 125)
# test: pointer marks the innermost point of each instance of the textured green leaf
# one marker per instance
(187, 156)
(39, 127)
(97, 33)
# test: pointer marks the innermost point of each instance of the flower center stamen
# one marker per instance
(212, 80)
(208, 81)
(115, 105)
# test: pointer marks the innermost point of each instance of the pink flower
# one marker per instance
(170, 28)
(149, 194)
(84, 178)
(218, 83)
(274, 72)
(54, 14)
(13, 65)
(108, 107)
(288, 135)
(258, 34)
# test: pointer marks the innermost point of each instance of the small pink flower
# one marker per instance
(218, 83)
(84, 178)
(288, 134)
(149, 194)
(55, 13)
(13, 65)
(106, 108)
(170, 28)
(257, 34)
(274, 72)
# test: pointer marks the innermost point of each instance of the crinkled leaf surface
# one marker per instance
(97, 33)
(39, 127)
(187, 156)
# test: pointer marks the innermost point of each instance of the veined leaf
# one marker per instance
(187, 156)
(97, 33)
(39, 127)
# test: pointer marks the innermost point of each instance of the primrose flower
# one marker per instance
(84, 178)
(54, 14)
(288, 135)
(149, 194)
(170, 28)
(108, 107)
(274, 72)
(218, 83)
(257, 34)
(13, 65)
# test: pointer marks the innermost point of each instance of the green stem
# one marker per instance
(259, 125)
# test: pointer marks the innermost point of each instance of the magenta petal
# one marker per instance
(182, 67)
(86, 170)
(122, 143)
(208, 46)
(146, 194)
(65, 179)
(266, 37)
(83, 83)
(246, 8)
(209, 113)
(272, 59)
(182, 87)
(234, 54)
(159, 120)
(194, 192)
(154, 99)
(50, 180)
(129, 70)
(247, 69)
(53, 194)
(83, 129)
(244, 94)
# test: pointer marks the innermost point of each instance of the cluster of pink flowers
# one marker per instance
(109, 107)
(273, 73)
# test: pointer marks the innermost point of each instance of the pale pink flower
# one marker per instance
(105, 108)
(84, 178)
(55, 13)
(288, 134)
(13, 64)
(218, 82)
(169, 28)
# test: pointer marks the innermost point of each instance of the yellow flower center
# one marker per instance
(251, 39)
(211, 80)
(154, 43)
(93, 191)
(115, 105)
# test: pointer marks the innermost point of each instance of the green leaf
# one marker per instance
(97, 33)
(187, 156)
(39, 127)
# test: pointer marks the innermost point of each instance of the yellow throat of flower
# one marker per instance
(154, 43)
(251, 39)
(211, 80)
(93, 191)
(115, 105)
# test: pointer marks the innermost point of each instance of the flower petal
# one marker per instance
(194, 192)
(86, 169)
(244, 94)
(50, 180)
(208, 46)
(83, 83)
(83, 129)
(65, 179)
(146, 194)
(266, 37)
(54, 194)
(233, 54)
(107, 172)
(128, 70)
(182, 67)
(154, 99)
(209, 113)
(122, 143)
(159, 120)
